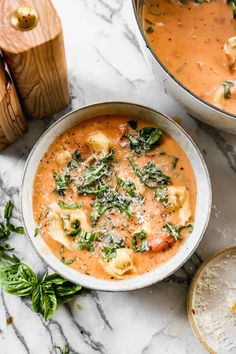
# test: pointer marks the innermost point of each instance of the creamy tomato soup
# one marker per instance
(197, 44)
(114, 197)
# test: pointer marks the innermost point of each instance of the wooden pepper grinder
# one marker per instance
(12, 123)
(32, 44)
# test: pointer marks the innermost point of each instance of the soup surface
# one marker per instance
(197, 44)
(114, 197)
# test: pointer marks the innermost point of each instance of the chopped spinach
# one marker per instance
(144, 139)
(63, 180)
(96, 172)
(161, 194)
(129, 188)
(170, 229)
(150, 175)
(109, 251)
(74, 206)
(189, 227)
(174, 162)
(68, 261)
(139, 241)
(110, 199)
(86, 239)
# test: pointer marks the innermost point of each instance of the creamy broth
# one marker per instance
(100, 143)
(190, 39)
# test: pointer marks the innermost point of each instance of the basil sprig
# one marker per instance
(46, 293)
(17, 278)
(6, 228)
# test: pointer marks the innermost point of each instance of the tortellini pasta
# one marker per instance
(178, 198)
(230, 52)
(119, 266)
(99, 143)
(59, 227)
(81, 217)
(56, 228)
(63, 158)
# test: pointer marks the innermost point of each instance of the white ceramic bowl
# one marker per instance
(203, 206)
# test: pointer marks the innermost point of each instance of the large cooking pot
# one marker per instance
(194, 105)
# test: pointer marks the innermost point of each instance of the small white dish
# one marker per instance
(203, 203)
(212, 302)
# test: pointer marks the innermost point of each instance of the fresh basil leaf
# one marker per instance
(170, 229)
(139, 242)
(65, 350)
(74, 206)
(37, 299)
(17, 279)
(49, 304)
(5, 246)
(16, 229)
(8, 210)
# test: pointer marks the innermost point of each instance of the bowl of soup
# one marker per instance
(191, 46)
(115, 196)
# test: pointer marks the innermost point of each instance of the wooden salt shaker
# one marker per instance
(12, 123)
(32, 44)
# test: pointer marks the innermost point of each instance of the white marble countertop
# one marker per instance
(105, 63)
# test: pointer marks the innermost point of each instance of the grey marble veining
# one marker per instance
(105, 63)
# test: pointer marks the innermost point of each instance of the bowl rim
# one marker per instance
(192, 290)
(191, 93)
(108, 286)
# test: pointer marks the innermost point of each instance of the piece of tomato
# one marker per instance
(160, 241)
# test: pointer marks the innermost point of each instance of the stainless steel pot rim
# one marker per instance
(216, 109)
(146, 282)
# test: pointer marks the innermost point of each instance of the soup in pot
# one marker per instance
(114, 197)
(196, 41)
